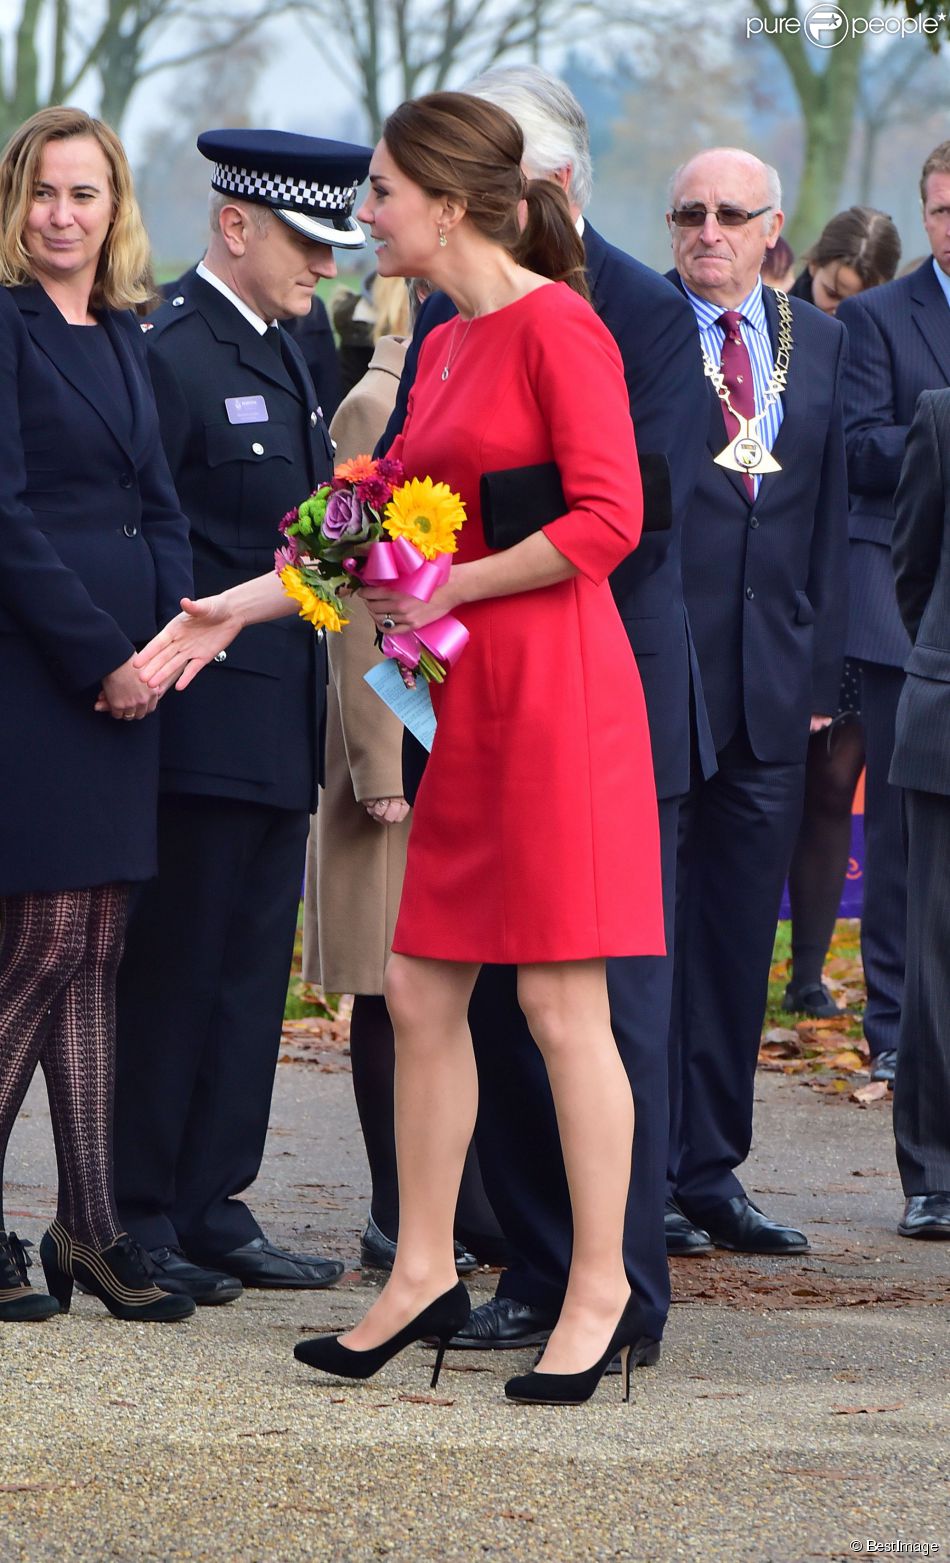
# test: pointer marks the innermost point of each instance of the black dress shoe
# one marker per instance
(740, 1225)
(682, 1237)
(377, 1252)
(260, 1263)
(884, 1065)
(504, 1324)
(811, 998)
(926, 1215)
(172, 1272)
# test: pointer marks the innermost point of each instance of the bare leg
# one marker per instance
(567, 1010)
(436, 1100)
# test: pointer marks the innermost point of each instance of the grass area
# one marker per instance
(306, 1001)
(843, 969)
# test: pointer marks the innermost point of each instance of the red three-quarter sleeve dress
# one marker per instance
(535, 831)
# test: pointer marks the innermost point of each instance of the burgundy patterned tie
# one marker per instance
(737, 374)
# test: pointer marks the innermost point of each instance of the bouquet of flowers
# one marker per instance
(370, 527)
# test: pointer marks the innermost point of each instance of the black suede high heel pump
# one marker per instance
(572, 1389)
(119, 1276)
(443, 1319)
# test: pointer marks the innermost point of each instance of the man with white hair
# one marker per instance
(765, 581)
(516, 1135)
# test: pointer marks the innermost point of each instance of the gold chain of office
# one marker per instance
(746, 453)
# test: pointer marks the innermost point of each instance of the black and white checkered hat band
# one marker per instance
(277, 190)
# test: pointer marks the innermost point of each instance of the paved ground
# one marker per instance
(798, 1411)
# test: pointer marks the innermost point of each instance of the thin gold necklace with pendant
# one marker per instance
(454, 350)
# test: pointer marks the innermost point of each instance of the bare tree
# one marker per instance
(395, 49)
(103, 49)
(899, 85)
(826, 85)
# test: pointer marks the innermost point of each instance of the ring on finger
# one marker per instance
(389, 623)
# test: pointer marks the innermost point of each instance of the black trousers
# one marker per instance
(737, 831)
(884, 903)
(922, 1085)
(200, 1003)
(516, 1133)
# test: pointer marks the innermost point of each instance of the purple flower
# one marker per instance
(344, 516)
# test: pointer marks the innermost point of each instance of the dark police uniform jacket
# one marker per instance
(251, 727)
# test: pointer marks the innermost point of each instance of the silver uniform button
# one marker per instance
(313, 420)
(257, 448)
(321, 634)
(220, 656)
(177, 302)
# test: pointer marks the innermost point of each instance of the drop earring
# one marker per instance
(443, 241)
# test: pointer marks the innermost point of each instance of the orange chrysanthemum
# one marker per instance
(315, 609)
(427, 514)
(356, 470)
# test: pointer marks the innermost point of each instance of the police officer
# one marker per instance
(204, 979)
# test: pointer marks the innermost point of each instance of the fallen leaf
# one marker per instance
(874, 1091)
(865, 1410)
(846, 1059)
(425, 1400)
(514, 1514)
(265, 1432)
(721, 1394)
(783, 1034)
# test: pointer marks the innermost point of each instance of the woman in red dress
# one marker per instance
(535, 838)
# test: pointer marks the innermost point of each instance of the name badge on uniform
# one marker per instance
(246, 409)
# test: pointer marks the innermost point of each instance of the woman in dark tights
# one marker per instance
(93, 556)
(858, 249)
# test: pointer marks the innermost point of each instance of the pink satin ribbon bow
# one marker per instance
(399, 564)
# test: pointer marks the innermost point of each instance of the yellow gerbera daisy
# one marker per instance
(427, 514)
(321, 614)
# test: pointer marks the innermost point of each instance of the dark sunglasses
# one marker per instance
(726, 216)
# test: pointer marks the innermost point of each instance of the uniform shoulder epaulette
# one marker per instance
(173, 309)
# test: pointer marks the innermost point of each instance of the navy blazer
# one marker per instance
(922, 568)
(899, 345)
(93, 544)
(766, 582)
(655, 331)
(251, 727)
(94, 558)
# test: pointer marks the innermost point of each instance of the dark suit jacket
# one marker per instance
(656, 335)
(899, 345)
(94, 558)
(922, 568)
(91, 539)
(766, 582)
(250, 727)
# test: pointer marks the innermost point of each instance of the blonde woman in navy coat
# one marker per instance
(93, 557)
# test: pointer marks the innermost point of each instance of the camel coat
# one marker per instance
(354, 865)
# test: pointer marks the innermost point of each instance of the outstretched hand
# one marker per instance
(191, 640)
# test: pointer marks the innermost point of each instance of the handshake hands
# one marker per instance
(195, 637)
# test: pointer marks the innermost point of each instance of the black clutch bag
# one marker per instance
(517, 501)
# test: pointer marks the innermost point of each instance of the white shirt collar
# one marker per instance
(579, 225)
(260, 326)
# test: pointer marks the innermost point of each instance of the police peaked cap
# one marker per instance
(308, 183)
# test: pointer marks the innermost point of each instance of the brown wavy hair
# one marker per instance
(123, 278)
(864, 239)
(452, 144)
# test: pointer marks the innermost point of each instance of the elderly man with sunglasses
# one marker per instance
(765, 583)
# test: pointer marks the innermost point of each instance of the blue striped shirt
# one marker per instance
(754, 330)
